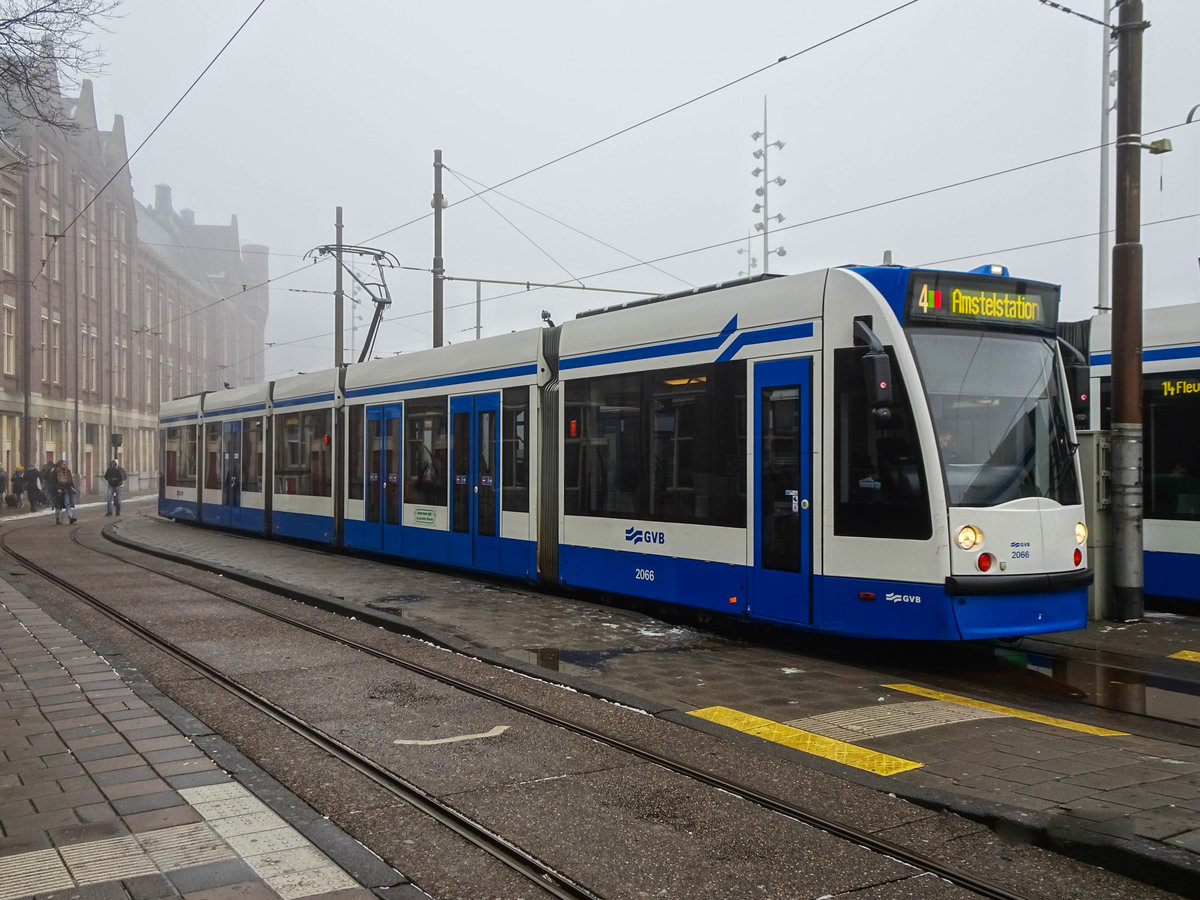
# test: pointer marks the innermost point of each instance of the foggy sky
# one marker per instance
(318, 105)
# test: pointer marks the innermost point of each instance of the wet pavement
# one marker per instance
(1066, 765)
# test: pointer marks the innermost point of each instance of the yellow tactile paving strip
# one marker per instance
(1189, 655)
(1005, 710)
(806, 741)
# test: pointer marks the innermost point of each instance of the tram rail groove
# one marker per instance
(545, 877)
(840, 830)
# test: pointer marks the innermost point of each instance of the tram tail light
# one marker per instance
(985, 562)
(1078, 556)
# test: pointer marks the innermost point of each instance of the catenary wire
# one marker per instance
(665, 112)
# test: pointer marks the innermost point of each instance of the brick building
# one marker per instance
(109, 306)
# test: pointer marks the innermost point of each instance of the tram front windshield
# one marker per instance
(1000, 415)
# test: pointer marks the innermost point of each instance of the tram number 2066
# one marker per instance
(643, 574)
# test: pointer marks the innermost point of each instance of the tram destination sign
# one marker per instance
(951, 299)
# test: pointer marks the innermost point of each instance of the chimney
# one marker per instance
(162, 199)
(188, 216)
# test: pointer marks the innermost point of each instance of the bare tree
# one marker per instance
(42, 41)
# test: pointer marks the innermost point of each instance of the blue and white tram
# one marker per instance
(880, 452)
(1171, 442)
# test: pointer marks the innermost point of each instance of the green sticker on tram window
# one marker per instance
(423, 515)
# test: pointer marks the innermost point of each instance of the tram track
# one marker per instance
(554, 882)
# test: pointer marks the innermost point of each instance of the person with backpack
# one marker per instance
(63, 485)
(115, 476)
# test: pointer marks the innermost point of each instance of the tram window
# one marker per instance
(425, 460)
(179, 456)
(1171, 416)
(302, 453)
(878, 472)
(252, 455)
(355, 455)
(667, 445)
(514, 467)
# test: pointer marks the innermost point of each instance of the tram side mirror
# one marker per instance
(877, 372)
(1079, 383)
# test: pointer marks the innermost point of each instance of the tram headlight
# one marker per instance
(1080, 532)
(969, 536)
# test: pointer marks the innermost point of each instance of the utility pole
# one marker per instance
(439, 271)
(1127, 448)
(338, 325)
(1103, 294)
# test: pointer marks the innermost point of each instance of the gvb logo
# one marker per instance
(635, 535)
(902, 598)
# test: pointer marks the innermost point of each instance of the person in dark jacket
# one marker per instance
(115, 476)
(33, 487)
(18, 483)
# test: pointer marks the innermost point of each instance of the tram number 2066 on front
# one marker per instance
(643, 574)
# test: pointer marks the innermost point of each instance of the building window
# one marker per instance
(56, 351)
(45, 347)
(10, 336)
(122, 388)
(91, 266)
(55, 254)
(8, 222)
(93, 353)
(53, 175)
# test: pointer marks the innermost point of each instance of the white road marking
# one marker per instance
(498, 730)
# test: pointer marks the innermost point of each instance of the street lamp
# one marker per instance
(762, 153)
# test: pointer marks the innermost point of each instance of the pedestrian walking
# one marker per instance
(64, 482)
(18, 483)
(115, 476)
(33, 488)
(3, 481)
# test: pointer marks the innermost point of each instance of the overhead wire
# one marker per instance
(666, 112)
(570, 227)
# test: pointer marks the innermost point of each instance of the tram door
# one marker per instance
(231, 469)
(474, 471)
(382, 490)
(782, 578)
